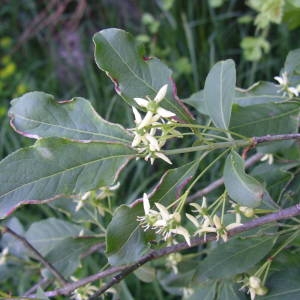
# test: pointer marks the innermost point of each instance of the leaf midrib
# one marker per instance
(69, 129)
(62, 171)
(290, 112)
(235, 254)
(141, 79)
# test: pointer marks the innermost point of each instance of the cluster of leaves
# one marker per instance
(79, 157)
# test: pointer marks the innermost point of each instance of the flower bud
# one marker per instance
(254, 282)
(261, 291)
(248, 212)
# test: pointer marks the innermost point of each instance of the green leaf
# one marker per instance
(259, 93)
(292, 67)
(275, 177)
(242, 188)
(145, 273)
(233, 257)
(37, 115)
(219, 92)
(125, 240)
(264, 119)
(205, 292)
(228, 291)
(54, 167)
(65, 257)
(16, 247)
(59, 242)
(47, 234)
(283, 285)
(117, 54)
(292, 14)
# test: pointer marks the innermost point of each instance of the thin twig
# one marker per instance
(155, 254)
(70, 287)
(41, 283)
(217, 183)
(38, 255)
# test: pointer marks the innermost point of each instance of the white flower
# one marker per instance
(154, 111)
(282, 80)
(162, 221)
(151, 216)
(269, 158)
(154, 154)
(284, 86)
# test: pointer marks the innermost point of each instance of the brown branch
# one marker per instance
(217, 183)
(277, 137)
(155, 254)
(37, 254)
(70, 287)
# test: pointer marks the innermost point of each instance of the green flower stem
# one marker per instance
(233, 144)
(236, 143)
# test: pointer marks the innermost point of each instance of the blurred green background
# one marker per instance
(46, 45)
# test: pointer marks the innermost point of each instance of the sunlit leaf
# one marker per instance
(37, 115)
(219, 92)
(134, 75)
(242, 188)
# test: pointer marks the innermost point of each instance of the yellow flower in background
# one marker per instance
(6, 59)
(8, 70)
(5, 42)
(21, 89)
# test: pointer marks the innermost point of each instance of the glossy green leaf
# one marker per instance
(47, 234)
(242, 188)
(219, 92)
(283, 285)
(54, 167)
(134, 75)
(234, 257)
(264, 119)
(125, 240)
(37, 115)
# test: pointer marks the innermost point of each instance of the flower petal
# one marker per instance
(137, 115)
(141, 102)
(147, 120)
(161, 93)
(193, 220)
(146, 204)
(163, 157)
(163, 211)
(165, 113)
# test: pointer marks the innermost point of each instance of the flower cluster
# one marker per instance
(205, 223)
(152, 131)
(95, 196)
(284, 86)
(164, 223)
